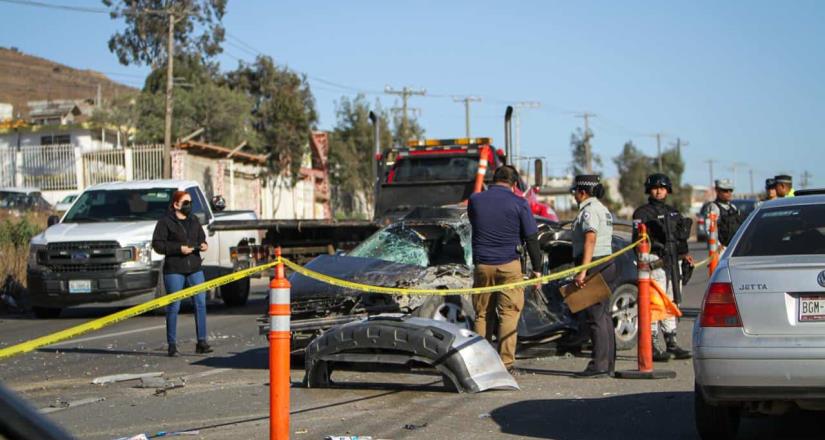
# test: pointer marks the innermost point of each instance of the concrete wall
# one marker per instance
(80, 137)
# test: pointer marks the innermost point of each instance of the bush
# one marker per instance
(16, 231)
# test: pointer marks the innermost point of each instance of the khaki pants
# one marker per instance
(498, 312)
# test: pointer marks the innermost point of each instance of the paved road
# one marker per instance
(226, 397)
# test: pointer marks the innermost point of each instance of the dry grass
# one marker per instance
(16, 230)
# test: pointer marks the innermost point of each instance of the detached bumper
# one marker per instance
(122, 287)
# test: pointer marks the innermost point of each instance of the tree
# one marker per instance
(577, 147)
(283, 111)
(122, 114)
(633, 167)
(202, 101)
(144, 39)
(352, 147)
(414, 129)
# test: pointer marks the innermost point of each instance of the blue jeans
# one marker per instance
(175, 282)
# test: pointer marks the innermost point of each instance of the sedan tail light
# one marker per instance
(719, 307)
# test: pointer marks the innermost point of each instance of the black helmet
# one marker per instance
(658, 180)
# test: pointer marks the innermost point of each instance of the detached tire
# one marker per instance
(714, 422)
(624, 311)
(456, 309)
(46, 312)
(236, 293)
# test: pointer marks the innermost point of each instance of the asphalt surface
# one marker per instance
(226, 393)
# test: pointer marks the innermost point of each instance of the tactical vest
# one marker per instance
(728, 223)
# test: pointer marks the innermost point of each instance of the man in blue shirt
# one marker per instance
(501, 222)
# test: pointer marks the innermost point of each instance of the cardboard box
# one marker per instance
(595, 290)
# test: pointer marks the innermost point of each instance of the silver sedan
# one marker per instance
(760, 338)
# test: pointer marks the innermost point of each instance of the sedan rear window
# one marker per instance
(795, 230)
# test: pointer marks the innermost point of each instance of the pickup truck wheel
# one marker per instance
(236, 293)
(624, 311)
(714, 422)
(46, 312)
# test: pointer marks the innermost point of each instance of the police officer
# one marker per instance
(592, 238)
(668, 232)
(784, 185)
(770, 189)
(501, 221)
(728, 216)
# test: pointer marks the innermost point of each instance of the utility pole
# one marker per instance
(405, 94)
(710, 163)
(167, 127)
(679, 144)
(588, 154)
(517, 116)
(466, 100)
(735, 168)
(803, 183)
(750, 172)
(659, 150)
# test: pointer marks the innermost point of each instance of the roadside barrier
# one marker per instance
(279, 341)
(713, 243)
(131, 312)
(645, 341)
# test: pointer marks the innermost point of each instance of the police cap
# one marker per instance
(770, 184)
(724, 184)
(658, 180)
(783, 178)
(585, 181)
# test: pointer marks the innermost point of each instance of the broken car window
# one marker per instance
(398, 244)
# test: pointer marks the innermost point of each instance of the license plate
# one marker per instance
(811, 308)
(80, 286)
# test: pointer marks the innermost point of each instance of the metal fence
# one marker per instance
(48, 167)
(147, 162)
(59, 167)
(104, 166)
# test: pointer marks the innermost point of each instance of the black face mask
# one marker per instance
(186, 208)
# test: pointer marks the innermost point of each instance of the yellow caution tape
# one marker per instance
(131, 312)
(702, 263)
(444, 292)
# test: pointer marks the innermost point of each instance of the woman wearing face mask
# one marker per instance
(179, 236)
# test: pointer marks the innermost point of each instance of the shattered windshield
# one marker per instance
(398, 244)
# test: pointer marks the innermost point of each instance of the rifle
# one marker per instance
(671, 257)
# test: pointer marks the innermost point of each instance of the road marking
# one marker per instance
(109, 335)
(205, 374)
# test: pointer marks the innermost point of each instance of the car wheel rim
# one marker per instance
(452, 313)
(625, 314)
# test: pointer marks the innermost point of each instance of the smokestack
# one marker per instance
(376, 135)
(508, 133)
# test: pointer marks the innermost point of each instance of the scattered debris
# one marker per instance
(302, 431)
(161, 385)
(484, 416)
(59, 404)
(348, 437)
(123, 377)
(147, 436)
(412, 427)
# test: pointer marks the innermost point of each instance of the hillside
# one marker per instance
(26, 78)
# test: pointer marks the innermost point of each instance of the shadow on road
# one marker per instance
(253, 359)
(638, 416)
(660, 415)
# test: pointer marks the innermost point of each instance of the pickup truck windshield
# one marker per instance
(120, 205)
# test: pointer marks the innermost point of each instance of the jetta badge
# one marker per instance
(821, 278)
(80, 256)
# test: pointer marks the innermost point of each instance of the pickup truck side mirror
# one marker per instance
(539, 173)
(218, 203)
(52, 220)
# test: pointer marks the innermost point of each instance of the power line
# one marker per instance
(588, 157)
(405, 93)
(57, 6)
(466, 100)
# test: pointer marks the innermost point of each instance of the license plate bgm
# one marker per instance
(811, 308)
(80, 286)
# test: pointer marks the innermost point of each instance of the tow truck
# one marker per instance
(423, 174)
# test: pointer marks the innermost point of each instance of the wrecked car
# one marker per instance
(431, 249)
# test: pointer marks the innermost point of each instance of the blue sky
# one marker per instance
(741, 81)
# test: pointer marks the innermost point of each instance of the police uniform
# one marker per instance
(665, 238)
(594, 217)
(785, 180)
(728, 216)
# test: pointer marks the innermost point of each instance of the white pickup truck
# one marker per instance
(100, 250)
